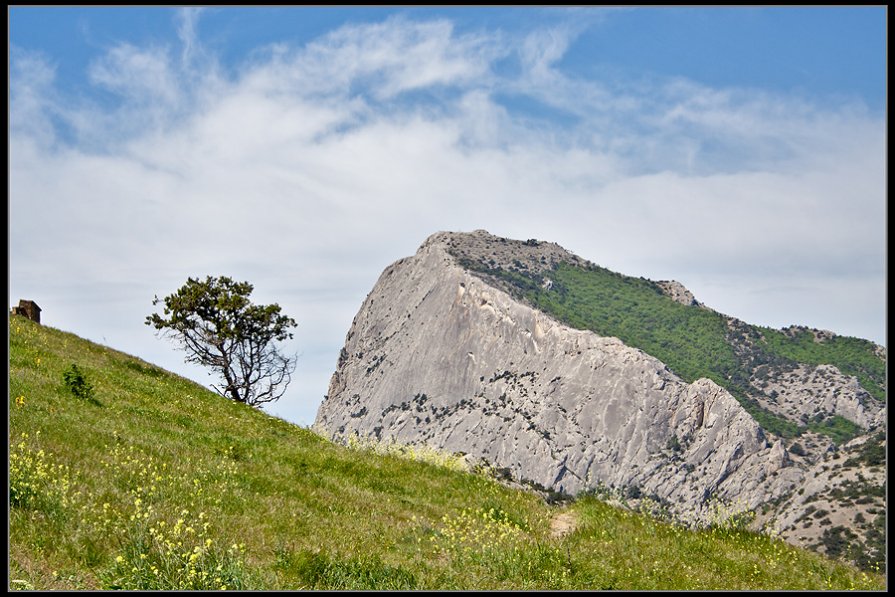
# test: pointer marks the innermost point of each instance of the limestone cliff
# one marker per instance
(442, 354)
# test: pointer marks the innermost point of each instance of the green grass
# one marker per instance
(152, 482)
(692, 341)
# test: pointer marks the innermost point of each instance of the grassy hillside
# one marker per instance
(693, 342)
(150, 481)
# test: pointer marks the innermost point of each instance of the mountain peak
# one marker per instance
(572, 377)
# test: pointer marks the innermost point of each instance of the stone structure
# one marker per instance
(27, 309)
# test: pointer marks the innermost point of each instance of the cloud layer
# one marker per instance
(307, 169)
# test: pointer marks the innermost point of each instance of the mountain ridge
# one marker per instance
(471, 307)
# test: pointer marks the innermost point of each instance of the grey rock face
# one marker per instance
(842, 494)
(811, 391)
(441, 354)
(437, 356)
(678, 292)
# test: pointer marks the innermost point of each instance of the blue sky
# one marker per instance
(740, 151)
(817, 51)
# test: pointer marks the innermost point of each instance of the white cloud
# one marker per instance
(187, 22)
(313, 168)
(139, 75)
(31, 96)
(397, 56)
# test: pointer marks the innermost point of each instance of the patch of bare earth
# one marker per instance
(563, 524)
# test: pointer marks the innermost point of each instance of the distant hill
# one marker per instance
(573, 378)
(149, 481)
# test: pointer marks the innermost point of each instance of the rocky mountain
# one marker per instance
(571, 378)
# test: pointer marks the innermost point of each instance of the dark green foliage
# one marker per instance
(633, 492)
(836, 540)
(797, 449)
(219, 327)
(841, 542)
(838, 428)
(768, 420)
(875, 553)
(872, 452)
(77, 383)
(860, 490)
(689, 340)
(694, 342)
(673, 444)
(852, 356)
(520, 282)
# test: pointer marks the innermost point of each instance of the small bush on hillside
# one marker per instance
(77, 383)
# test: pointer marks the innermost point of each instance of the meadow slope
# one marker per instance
(154, 482)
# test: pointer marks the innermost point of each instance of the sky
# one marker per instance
(740, 151)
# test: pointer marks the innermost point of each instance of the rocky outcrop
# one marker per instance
(840, 507)
(810, 392)
(438, 356)
(678, 292)
(448, 351)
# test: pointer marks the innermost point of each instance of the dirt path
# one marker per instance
(562, 524)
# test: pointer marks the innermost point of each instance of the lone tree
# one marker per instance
(218, 327)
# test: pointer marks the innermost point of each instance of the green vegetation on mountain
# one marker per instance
(693, 342)
(838, 428)
(149, 481)
(852, 356)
